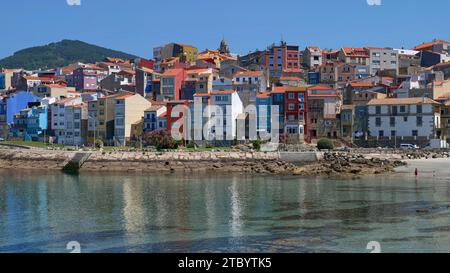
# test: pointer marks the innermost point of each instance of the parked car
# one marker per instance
(408, 147)
(2, 139)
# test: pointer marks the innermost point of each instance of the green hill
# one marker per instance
(59, 54)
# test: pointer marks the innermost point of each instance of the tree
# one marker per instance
(160, 139)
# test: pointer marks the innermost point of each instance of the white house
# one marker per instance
(75, 132)
(231, 106)
(58, 119)
(403, 117)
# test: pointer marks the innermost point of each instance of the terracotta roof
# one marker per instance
(61, 101)
(54, 85)
(172, 72)
(279, 89)
(402, 101)
(290, 78)
(249, 73)
(355, 52)
(124, 96)
(263, 95)
(197, 71)
(430, 44)
(34, 78)
(320, 87)
(201, 95)
(313, 48)
(362, 84)
(127, 72)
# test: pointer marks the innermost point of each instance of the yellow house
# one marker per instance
(129, 110)
(101, 119)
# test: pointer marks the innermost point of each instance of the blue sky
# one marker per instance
(136, 26)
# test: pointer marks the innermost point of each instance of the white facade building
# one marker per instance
(231, 106)
(75, 132)
(403, 117)
(58, 119)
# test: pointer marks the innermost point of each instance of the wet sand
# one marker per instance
(428, 168)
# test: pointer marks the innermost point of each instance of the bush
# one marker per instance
(160, 139)
(190, 145)
(325, 144)
(257, 145)
(98, 144)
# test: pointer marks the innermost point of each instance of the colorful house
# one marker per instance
(31, 123)
(264, 112)
(296, 109)
(155, 118)
(171, 83)
(324, 107)
(129, 109)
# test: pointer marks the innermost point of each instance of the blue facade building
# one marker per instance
(278, 99)
(264, 112)
(30, 123)
(16, 102)
(313, 78)
(2, 81)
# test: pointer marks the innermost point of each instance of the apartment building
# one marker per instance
(382, 59)
(58, 117)
(129, 109)
(412, 118)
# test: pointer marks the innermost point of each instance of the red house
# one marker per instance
(171, 82)
(296, 114)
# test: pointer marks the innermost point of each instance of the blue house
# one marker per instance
(30, 123)
(278, 99)
(313, 78)
(2, 81)
(11, 105)
(16, 102)
(263, 101)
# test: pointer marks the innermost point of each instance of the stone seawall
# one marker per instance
(39, 159)
(297, 163)
(33, 159)
(176, 161)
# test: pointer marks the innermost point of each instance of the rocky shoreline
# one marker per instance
(329, 164)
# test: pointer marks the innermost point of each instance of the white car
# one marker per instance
(408, 147)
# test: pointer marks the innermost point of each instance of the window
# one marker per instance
(378, 122)
(392, 122)
(419, 121)
(291, 96)
(419, 109)
(378, 110)
(405, 119)
(415, 133)
(381, 133)
(291, 107)
(402, 109)
(393, 133)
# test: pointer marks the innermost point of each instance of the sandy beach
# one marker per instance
(429, 168)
